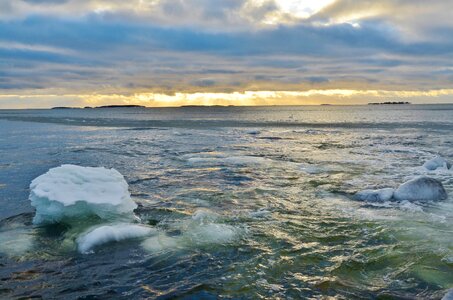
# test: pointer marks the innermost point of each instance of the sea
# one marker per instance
(276, 183)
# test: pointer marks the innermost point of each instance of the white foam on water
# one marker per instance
(246, 160)
(260, 213)
(410, 206)
(220, 159)
(385, 204)
(202, 160)
(111, 233)
(312, 169)
(72, 191)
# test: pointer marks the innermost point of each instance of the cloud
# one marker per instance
(203, 82)
(46, 1)
(333, 96)
(213, 46)
(317, 79)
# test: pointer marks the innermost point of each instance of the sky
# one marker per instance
(230, 52)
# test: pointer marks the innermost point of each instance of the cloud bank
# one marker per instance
(78, 52)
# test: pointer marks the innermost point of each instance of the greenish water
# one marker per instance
(279, 182)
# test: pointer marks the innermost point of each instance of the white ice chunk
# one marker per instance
(73, 191)
(448, 295)
(111, 233)
(421, 189)
(437, 162)
(381, 195)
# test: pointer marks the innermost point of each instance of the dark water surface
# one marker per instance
(281, 176)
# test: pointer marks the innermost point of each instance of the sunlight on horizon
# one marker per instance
(238, 98)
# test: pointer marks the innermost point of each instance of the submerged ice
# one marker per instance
(71, 191)
(202, 229)
(205, 228)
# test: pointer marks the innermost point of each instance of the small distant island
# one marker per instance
(387, 103)
(104, 106)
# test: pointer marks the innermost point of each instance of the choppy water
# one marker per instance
(282, 176)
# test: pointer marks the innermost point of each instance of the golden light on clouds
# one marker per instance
(303, 8)
(245, 98)
(242, 52)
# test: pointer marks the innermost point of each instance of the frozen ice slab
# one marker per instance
(421, 189)
(437, 162)
(111, 233)
(71, 191)
(380, 195)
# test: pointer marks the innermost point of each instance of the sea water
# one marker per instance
(232, 202)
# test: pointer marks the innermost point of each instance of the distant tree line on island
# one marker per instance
(389, 102)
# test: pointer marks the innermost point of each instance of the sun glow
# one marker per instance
(304, 8)
(243, 98)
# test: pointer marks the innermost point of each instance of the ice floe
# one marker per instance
(448, 295)
(71, 191)
(437, 162)
(422, 188)
(111, 233)
(381, 195)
